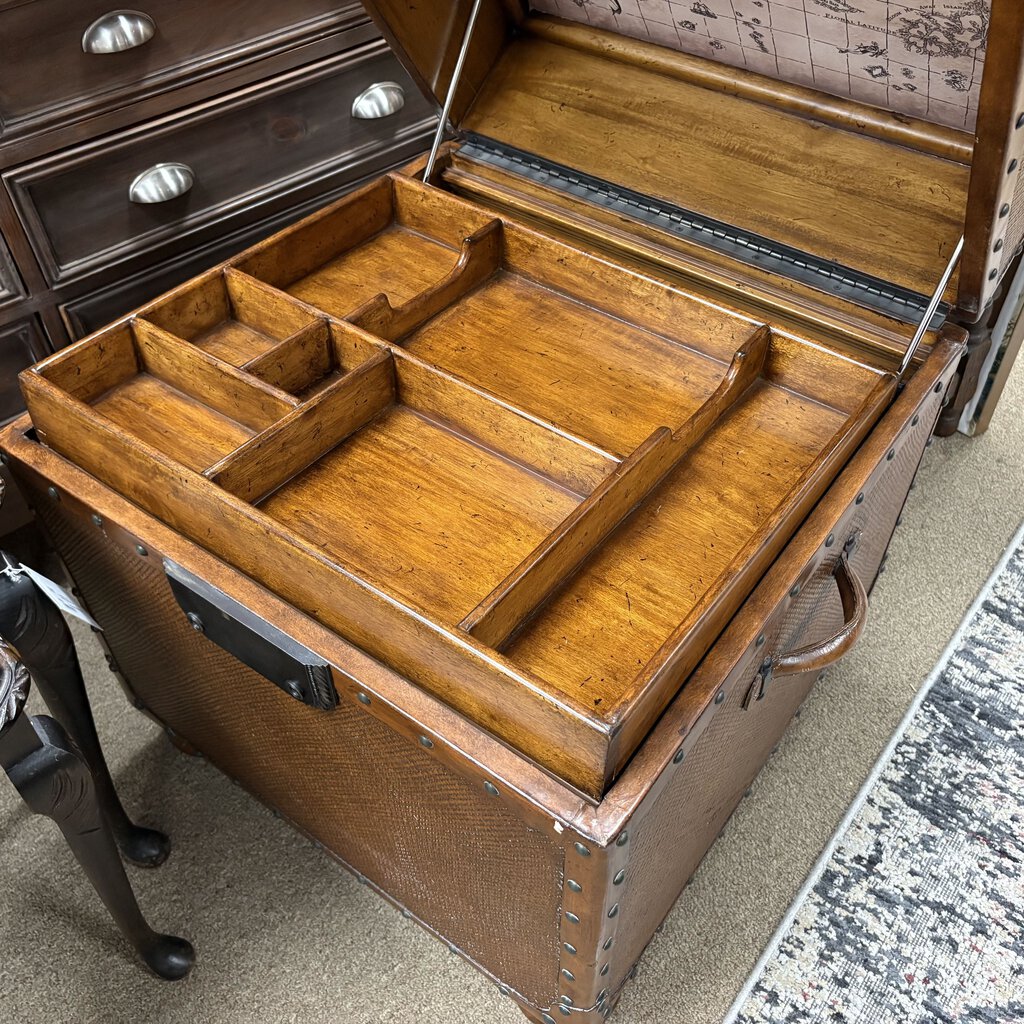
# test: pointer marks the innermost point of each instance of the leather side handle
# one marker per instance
(818, 656)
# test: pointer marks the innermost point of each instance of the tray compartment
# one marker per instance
(410, 500)
(645, 605)
(390, 237)
(602, 354)
(164, 392)
(231, 316)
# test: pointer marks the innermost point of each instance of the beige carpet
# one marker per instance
(284, 935)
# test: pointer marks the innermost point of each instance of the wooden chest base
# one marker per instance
(552, 897)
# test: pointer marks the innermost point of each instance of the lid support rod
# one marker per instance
(442, 123)
(926, 322)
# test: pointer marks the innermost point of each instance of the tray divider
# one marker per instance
(296, 362)
(208, 379)
(536, 579)
(264, 307)
(294, 443)
(480, 257)
(573, 463)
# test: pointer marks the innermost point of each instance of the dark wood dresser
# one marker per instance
(139, 147)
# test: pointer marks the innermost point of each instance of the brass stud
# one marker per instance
(567, 974)
(141, 550)
(614, 911)
(623, 838)
(426, 741)
(569, 948)
(97, 520)
(620, 877)
(680, 754)
(581, 850)
(604, 970)
(571, 917)
(363, 698)
(720, 696)
(608, 943)
(573, 886)
(490, 788)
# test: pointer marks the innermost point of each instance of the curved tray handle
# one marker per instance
(818, 656)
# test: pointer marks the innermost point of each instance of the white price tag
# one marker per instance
(59, 596)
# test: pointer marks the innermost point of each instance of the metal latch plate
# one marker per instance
(252, 640)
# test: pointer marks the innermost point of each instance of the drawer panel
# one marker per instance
(247, 156)
(89, 312)
(21, 344)
(187, 38)
(10, 284)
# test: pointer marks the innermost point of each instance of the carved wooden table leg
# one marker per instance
(32, 624)
(55, 781)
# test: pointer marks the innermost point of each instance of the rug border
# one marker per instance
(819, 866)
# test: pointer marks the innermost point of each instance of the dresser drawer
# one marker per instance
(21, 344)
(47, 74)
(247, 156)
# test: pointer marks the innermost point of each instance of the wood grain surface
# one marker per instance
(859, 201)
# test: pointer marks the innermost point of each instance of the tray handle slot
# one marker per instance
(271, 458)
(479, 258)
(533, 582)
(208, 379)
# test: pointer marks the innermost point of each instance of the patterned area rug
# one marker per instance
(915, 912)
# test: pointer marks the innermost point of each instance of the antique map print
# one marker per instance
(921, 57)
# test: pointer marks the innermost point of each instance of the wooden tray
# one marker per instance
(533, 482)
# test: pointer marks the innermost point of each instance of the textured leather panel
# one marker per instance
(670, 840)
(457, 858)
(916, 57)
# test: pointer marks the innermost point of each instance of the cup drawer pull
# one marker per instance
(118, 31)
(161, 182)
(382, 99)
